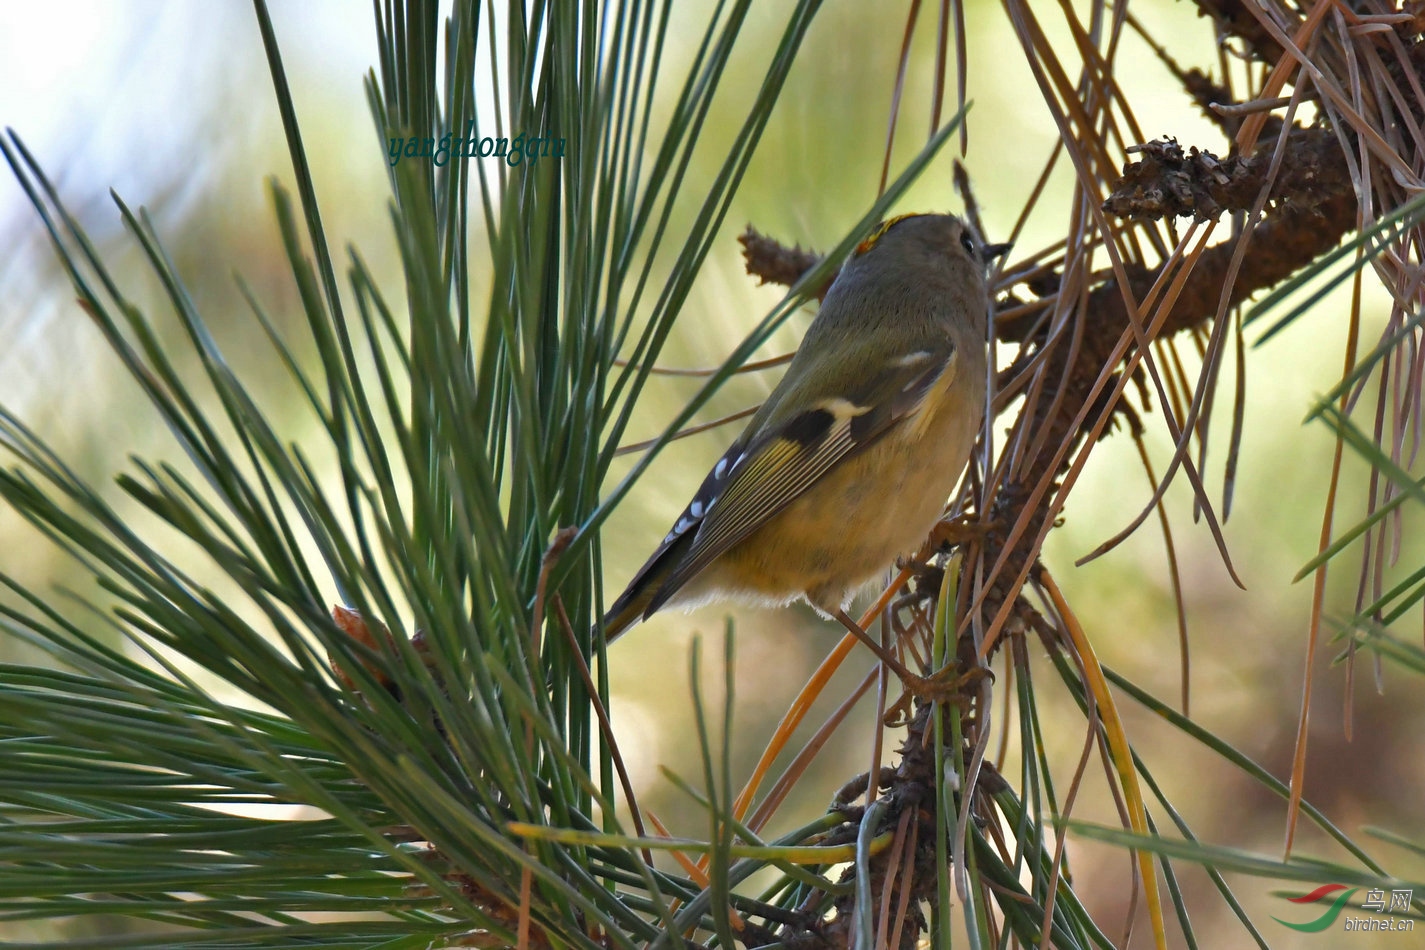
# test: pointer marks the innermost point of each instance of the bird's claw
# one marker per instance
(960, 531)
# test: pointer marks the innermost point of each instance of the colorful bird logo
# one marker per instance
(1326, 919)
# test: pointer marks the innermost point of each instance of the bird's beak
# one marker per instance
(991, 252)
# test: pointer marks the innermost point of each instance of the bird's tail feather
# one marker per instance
(628, 610)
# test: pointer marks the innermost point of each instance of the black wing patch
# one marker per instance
(764, 478)
(808, 428)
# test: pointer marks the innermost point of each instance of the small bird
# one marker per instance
(850, 461)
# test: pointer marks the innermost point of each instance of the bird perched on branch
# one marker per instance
(850, 461)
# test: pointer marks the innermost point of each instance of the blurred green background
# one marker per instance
(171, 105)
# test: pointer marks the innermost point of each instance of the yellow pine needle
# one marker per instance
(1118, 747)
(797, 854)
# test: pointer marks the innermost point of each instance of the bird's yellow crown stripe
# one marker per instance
(880, 231)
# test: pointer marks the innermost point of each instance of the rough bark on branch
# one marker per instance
(1167, 181)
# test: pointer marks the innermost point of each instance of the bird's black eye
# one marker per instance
(967, 242)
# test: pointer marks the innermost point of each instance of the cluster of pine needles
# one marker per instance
(447, 726)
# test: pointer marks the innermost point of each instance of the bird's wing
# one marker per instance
(752, 483)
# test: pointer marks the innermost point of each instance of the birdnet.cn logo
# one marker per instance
(1330, 903)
